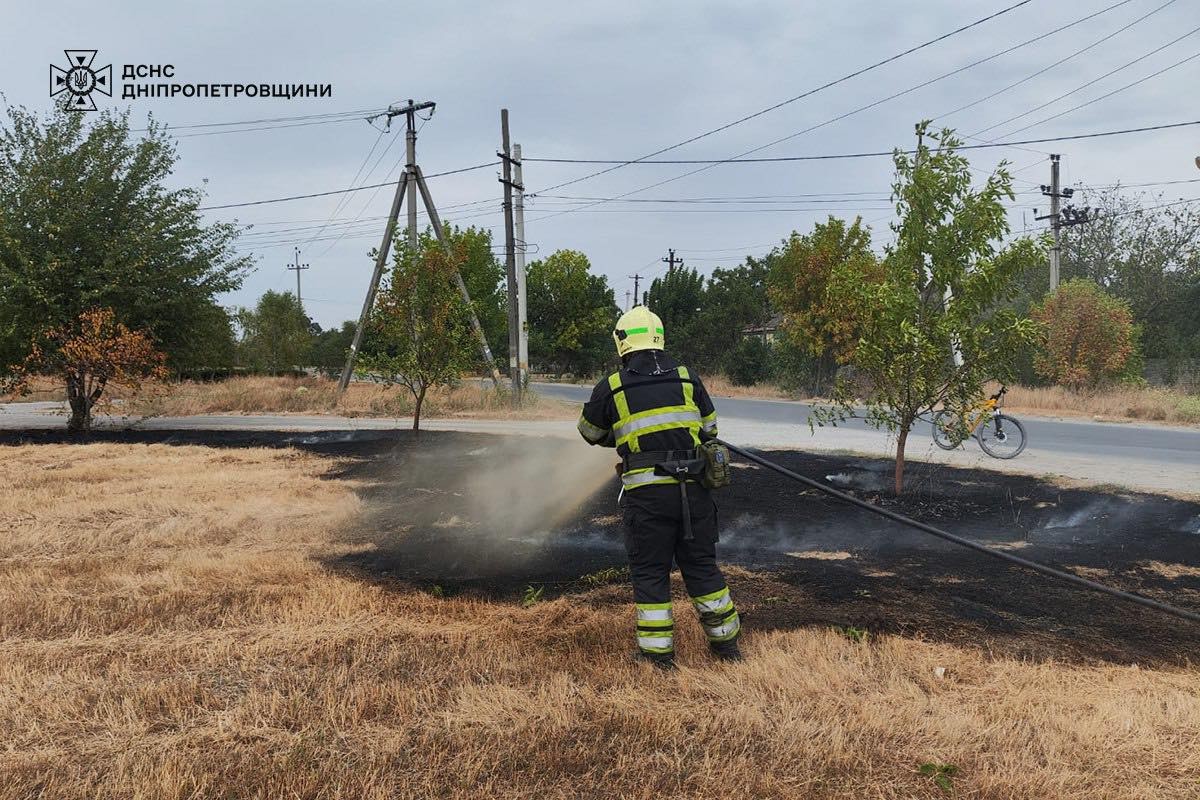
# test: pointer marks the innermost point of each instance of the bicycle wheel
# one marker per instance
(1002, 437)
(945, 433)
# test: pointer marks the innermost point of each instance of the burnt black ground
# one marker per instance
(807, 559)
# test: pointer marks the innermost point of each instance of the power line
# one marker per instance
(266, 128)
(800, 96)
(1060, 62)
(875, 154)
(344, 198)
(331, 114)
(1083, 86)
(1109, 94)
(872, 104)
(341, 191)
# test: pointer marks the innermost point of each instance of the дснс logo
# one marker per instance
(80, 79)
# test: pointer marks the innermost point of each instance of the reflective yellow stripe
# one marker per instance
(589, 431)
(622, 403)
(689, 389)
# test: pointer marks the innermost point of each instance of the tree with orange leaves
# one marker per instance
(1088, 336)
(90, 354)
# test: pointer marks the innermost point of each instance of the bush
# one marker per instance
(1088, 336)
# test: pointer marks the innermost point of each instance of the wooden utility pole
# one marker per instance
(297, 267)
(522, 246)
(510, 261)
(412, 177)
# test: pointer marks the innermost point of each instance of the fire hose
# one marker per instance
(950, 537)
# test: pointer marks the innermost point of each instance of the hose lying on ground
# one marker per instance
(950, 537)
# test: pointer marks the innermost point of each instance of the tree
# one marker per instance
(734, 299)
(420, 334)
(1088, 336)
(571, 314)
(483, 273)
(825, 326)
(1148, 256)
(328, 352)
(677, 298)
(751, 362)
(275, 334)
(212, 348)
(945, 239)
(87, 221)
(92, 353)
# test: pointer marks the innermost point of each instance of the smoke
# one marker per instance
(462, 507)
(529, 489)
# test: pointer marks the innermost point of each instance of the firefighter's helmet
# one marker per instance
(639, 328)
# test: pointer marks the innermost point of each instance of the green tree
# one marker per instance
(87, 220)
(329, 349)
(571, 314)
(212, 348)
(1145, 254)
(275, 334)
(946, 238)
(483, 273)
(1088, 336)
(824, 326)
(677, 298)
(735, 298)
(420, 332)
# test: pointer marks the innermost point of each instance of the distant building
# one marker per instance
(766, 332)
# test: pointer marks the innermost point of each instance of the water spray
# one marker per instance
(950, 537)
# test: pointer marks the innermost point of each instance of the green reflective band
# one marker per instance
(632, 331)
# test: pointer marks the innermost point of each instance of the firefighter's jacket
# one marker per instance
(652, 403)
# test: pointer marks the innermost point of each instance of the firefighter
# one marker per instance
(656, 413)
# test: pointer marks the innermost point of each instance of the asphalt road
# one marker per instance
(1139, 456)
(1165, 445)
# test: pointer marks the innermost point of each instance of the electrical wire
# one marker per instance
(1060, 62)
(1108, 95)
(1083, 86)
(874, 154)
(800, 96)
(860, 109)
(327, 115)
(344, 199)
(341, 191)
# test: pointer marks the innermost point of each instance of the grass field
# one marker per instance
(172, 629)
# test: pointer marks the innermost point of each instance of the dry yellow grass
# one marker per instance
(315, 395)
(1118, 403)
(1114, 403)
(170, 630)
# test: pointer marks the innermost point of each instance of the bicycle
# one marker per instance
(999, 435)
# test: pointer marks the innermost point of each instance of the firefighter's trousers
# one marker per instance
(654, 538)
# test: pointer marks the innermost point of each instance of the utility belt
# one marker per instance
(708, 464)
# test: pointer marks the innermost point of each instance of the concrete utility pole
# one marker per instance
(671, 260)
(522, 246)
(510, 262)
(627, 293)
(1055, 195)
(412, 177)
(297, 267)
(1060, 217)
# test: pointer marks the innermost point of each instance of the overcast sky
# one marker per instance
(618, 80)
